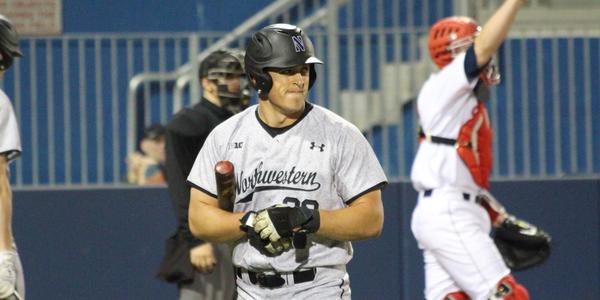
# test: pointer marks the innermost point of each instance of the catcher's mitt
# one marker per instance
(521, 244)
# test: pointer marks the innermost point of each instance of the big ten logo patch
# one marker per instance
(235, 145)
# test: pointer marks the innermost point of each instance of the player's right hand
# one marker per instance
(280, 221)
(273, 223)
(203, 258)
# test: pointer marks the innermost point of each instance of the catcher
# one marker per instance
(454, 214)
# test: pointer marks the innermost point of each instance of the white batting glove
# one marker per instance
(263, 225)
(278, 246)
(8, 276)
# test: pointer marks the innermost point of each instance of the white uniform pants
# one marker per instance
(459, 254)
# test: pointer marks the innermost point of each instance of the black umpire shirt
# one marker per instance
(186, 134)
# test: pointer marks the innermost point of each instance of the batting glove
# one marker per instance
(267, 247)
(280, 221)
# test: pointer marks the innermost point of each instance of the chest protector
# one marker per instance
(474, 145)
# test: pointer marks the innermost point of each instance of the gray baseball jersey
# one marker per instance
(10, 142)
(321, 161)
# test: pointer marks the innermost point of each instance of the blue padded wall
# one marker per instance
(107, 243)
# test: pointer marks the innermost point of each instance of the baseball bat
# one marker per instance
(225, 184)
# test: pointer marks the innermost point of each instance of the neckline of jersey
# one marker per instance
(274, 131)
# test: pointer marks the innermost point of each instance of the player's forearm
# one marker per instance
(361, 221)
(5, 206)
(495, 30)
(212, 224)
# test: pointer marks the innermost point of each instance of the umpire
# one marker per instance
(200, 269)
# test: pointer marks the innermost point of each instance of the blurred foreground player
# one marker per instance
(12, 285)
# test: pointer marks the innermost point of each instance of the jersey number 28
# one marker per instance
(294, 202)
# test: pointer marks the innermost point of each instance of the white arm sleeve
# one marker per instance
(10, 141)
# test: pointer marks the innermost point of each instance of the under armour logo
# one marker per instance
(298, 43)
(313, 146)
(237, 145)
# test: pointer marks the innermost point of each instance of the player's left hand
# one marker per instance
(203, 258)
(521, 244)
(280, 221)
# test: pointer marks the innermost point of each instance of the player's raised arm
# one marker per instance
(210, 223)
(495, 30)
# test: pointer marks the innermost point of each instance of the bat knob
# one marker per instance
(224, 167)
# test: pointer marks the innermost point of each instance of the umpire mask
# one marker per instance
(224, 69)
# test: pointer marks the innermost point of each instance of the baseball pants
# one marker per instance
(459, 254)
(314, 283)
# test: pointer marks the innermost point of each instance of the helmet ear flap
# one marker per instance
(312, 77)
(262, 83)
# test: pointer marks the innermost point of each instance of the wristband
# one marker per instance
(247, 221)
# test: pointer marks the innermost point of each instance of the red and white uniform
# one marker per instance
(450, 228)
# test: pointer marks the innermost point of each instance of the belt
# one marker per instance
(439, 139)
(466, 196)
(275, 280)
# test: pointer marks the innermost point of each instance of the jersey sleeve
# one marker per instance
(10, 141)
(202, 175)
(357, 169)
(445, 93)
(455, 76)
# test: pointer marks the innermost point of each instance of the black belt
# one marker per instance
(439, 139)
(276, 280)
(466, 196)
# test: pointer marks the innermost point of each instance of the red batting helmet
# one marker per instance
(450, 36)
(453, 35)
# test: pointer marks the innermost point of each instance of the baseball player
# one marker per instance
(307, 181)
(453, 163)
(225, 91)
(12, 285)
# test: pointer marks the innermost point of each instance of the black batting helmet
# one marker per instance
(9, 43)
(278, 46)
